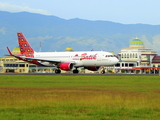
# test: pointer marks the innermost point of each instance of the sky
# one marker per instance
(120, 11)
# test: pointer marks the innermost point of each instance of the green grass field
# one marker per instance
(79, 97)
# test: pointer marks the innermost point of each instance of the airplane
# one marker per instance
(67, 61)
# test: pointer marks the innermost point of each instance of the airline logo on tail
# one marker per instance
(25, 48)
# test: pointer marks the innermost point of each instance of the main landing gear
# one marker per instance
(75, 71)
(57, 71)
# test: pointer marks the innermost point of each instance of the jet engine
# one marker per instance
(66, 66)
(92, 68)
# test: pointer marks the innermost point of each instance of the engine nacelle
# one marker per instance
(66, 66)
(92, 68)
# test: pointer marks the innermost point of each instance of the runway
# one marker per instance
(80, 74)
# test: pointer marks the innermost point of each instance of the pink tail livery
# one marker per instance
(25, 48)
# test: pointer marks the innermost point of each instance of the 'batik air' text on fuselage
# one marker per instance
(86, 58)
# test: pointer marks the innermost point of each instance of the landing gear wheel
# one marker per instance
(75, 71)
(57, 71)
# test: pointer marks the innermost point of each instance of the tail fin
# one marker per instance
(25, 48)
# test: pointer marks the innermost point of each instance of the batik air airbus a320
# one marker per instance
(67, 61)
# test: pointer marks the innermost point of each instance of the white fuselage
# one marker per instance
(80, 59)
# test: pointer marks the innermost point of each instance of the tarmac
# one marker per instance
(80, 74)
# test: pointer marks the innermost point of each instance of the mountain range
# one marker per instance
(55, 34)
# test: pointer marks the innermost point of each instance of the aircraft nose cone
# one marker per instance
(116, 61)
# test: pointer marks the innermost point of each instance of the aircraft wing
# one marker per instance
(38, 59)
(44, 60)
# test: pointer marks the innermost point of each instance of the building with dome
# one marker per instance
(69, 49)
(136, 43)
(136, 58)
(16, 51)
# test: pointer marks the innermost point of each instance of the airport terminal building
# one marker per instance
(137, 59)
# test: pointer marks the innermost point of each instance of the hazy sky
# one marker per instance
(121, 11)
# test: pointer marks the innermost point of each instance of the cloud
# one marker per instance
(3, 30)
(15, 8)
(44, 38)
(41, 38)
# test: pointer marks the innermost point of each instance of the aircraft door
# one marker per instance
(98, 57)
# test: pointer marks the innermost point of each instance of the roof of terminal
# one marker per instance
(136, 41)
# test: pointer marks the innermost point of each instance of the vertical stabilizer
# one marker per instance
(25, 48)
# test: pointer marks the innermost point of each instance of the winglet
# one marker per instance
(9, 51)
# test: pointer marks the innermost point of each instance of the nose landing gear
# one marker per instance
(103, 71)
